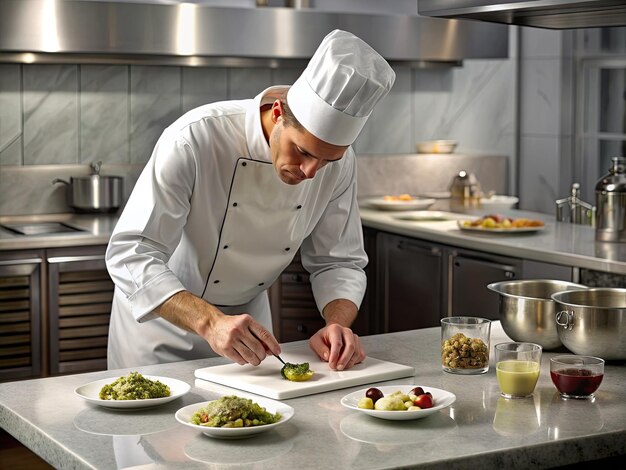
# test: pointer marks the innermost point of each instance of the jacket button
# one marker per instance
(287, 249)
(243, 163)
(299, 206)
(261, 284)
(217, 281)
(225, 247)
(234, 204)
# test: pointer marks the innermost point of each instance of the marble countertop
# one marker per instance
(559, 243)
(480, 430)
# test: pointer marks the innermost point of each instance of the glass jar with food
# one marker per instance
(465, 345)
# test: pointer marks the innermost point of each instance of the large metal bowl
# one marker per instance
(592, 322)
(527, 311)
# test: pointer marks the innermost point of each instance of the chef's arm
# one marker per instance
(340, 311)
(336, 343)
(237, 337)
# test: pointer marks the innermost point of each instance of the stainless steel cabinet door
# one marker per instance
(80, 294)
(469, 274)
(20, 315)
(410, 283)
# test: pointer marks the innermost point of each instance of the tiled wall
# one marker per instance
(77, 114)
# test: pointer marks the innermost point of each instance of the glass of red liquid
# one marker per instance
(576, 376)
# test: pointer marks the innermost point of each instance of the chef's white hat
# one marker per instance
(337, 92)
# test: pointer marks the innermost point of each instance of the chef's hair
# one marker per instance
(288, 117)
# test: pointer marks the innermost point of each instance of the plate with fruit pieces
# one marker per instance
(495, 223)
(431, 400)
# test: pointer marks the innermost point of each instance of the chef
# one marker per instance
(231, 192)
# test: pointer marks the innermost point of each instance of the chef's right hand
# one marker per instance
(237, 337)
(241, 338)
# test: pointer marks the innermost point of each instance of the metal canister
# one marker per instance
(611, 203)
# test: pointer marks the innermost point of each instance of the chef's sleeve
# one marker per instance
(150, 228)
(334, 254)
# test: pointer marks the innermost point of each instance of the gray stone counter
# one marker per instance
(559, 243)
(480, 430)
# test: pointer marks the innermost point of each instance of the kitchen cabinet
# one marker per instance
(20, 314)
(294, 312)
(410, 282)
(469, 273)
(80, 294)
(419, 282)
(55, 306)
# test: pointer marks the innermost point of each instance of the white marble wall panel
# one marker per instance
(388, 130)
(104, 113)
(540, 104)
(10, 115)
(201, 86)
(155, 102)
(418, 174)
(248, 82)
(540, 173)
(473, 104)
(538, 43)
(50, 97)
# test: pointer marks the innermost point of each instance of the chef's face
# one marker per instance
(297, 154)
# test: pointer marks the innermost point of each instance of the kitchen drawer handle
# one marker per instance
(13, 262)
(71, 259)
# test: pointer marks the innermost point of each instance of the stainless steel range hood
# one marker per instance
(552, 14)
(74, 31)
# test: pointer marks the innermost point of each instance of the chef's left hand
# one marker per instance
(336, 343)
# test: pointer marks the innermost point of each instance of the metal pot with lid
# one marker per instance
(94, 193)
(611, 203)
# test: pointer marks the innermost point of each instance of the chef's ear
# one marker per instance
(277, 111)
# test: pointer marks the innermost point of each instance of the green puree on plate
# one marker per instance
(233, 412)
(134, 386)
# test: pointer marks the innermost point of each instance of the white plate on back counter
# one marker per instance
(429, 216)
(91, 393)
(415, 203)
(441, 398)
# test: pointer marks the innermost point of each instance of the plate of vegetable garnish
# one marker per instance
(234, 417)
(132, 391)
(399, 402)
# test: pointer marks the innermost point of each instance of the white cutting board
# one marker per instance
(266, 380)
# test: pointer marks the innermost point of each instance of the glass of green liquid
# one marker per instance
(517, 368)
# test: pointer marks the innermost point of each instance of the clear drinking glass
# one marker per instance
(517, 368)
(465, 345)
(576, 376)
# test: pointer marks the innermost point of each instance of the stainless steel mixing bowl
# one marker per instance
(592, 322)
(527, 312)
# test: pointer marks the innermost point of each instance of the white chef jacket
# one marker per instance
(210, 215)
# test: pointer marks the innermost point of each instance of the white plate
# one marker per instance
(184, 415)
(500, 230)
(441, 398)
(91, 393)
(498, 201)
(413, 204)
(429, 216)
